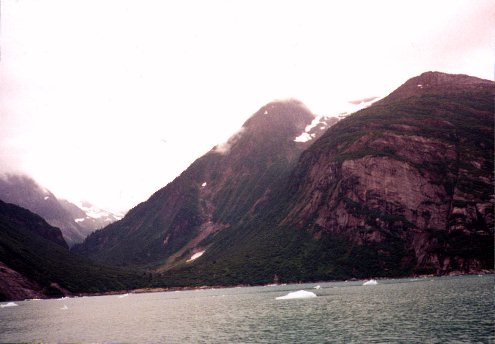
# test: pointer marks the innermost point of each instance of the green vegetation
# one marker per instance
(443, 134)
(46, 262)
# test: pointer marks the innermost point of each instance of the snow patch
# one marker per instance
(203, 185)
(420, 86)
(300, 294)
(195, 256)
(46, 197)
(266, 112)
(304, 137)
(10, 304)
(95, 212)
(123, 295)
(80, 219)
(371, 282)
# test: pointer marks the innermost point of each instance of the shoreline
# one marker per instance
(207, 287)
(67, 294)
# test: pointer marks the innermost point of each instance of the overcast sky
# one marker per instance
(108, 101)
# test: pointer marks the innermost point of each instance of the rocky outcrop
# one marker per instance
(14, 286)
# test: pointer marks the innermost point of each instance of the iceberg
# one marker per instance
(300, 294)
(10, 304)
(371, 282)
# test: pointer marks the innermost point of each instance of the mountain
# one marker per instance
(410, 178)
(35, 261)
(402, 187)
(74, 222)
(225, 187)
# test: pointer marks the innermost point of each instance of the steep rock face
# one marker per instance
(415, 168)
(224, 187)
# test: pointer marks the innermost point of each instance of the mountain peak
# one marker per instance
(275, 124)
(433, 82)
(281, 112)
(443, 79)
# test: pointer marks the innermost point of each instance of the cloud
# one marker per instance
(363, 100)
(224, 148)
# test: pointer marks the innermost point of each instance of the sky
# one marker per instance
(108, 101)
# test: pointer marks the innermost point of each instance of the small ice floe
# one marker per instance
(371, 282)
(317, 287)
(9, 304)
(64, 308)
(300, 294)
(123, 295)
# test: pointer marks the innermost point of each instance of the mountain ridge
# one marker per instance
(194, 205)
(399, 188)
(74, 222)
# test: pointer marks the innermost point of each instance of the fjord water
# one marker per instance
(432, 310)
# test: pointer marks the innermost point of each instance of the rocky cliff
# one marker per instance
(415, 168)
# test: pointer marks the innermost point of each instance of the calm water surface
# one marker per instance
(435, 310)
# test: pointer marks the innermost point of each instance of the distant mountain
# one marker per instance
(20, 217)
(35, 261)
(223, 188)
(402, 187)
(74, 222)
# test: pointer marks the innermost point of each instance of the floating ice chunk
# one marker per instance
(9, 304)
(123, 295)
(64, 308)
(371, 282)
(300, 294)
(195, 256)
(317, 287)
